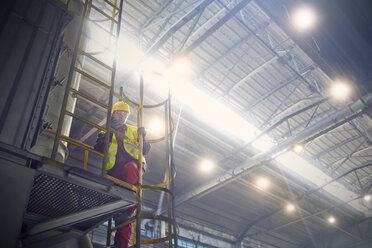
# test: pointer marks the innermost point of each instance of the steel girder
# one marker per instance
(243, 168)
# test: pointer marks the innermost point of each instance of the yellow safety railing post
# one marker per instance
(112, 88)
(85, 159)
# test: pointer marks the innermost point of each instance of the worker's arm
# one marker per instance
(146, 144)
(146, 147)
(100, 142)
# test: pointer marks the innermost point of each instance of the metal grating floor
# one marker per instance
(54, 197)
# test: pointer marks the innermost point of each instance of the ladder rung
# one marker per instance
(104, 14)
(112, 5)
(93, 78)
(110, 33)
(122, 183)
(89, 98)
(85, 121)
(76, 142)
(95, 60)
(104, 46)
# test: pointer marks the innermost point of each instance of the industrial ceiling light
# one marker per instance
(179, 68)
(304, 18)
(264, 143)
(340, 91)
(290, 207)
(206, 165)
(263, 183)
(298, 148)
(157, 125)
(331, 219)
(367, 197)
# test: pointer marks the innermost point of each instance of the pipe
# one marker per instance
(162, 193)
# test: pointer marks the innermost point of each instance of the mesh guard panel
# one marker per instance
(54, 197)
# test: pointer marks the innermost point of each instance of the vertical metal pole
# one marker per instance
(69, 80)
(86, 153)
(112, 88)
(108, 237)
(140, 171)
(172, 170)
(168, 176)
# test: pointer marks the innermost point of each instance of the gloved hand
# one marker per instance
(114, 123)
(142, 131)
(99, 142)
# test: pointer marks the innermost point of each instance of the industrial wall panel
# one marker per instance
(30, 40)
(15, 185)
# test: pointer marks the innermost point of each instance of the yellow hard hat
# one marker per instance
(121, 106)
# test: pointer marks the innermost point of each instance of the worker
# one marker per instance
(122, 161)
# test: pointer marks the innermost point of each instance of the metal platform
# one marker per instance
(51, 202)
(53, 197)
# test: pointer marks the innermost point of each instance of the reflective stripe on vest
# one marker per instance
(131, 146)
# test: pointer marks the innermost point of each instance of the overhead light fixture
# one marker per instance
(367, 197)
(298, 148)
(304, 18)
(179, 68)
(331, 219)
(290, 207)
(157, 125)
(340, 90)
(263, 183)
(264, 143)
(206, 165)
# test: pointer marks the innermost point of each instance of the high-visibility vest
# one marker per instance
(131, 146)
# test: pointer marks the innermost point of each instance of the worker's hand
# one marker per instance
(100, 141)
(114, 123)
(142, 131)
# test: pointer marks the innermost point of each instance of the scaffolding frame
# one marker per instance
(166, 186)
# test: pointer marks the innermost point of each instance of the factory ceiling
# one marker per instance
(249, 67)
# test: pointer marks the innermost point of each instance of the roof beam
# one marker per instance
(276, 124)
(225, 54)
(191, 29)
(275, 53)
(279, 87)
(251, 74)
(244, 233)
(161, 28)
(244, 167)
(156, 14)
(334, 147)
(180, 23)
(216, 26)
